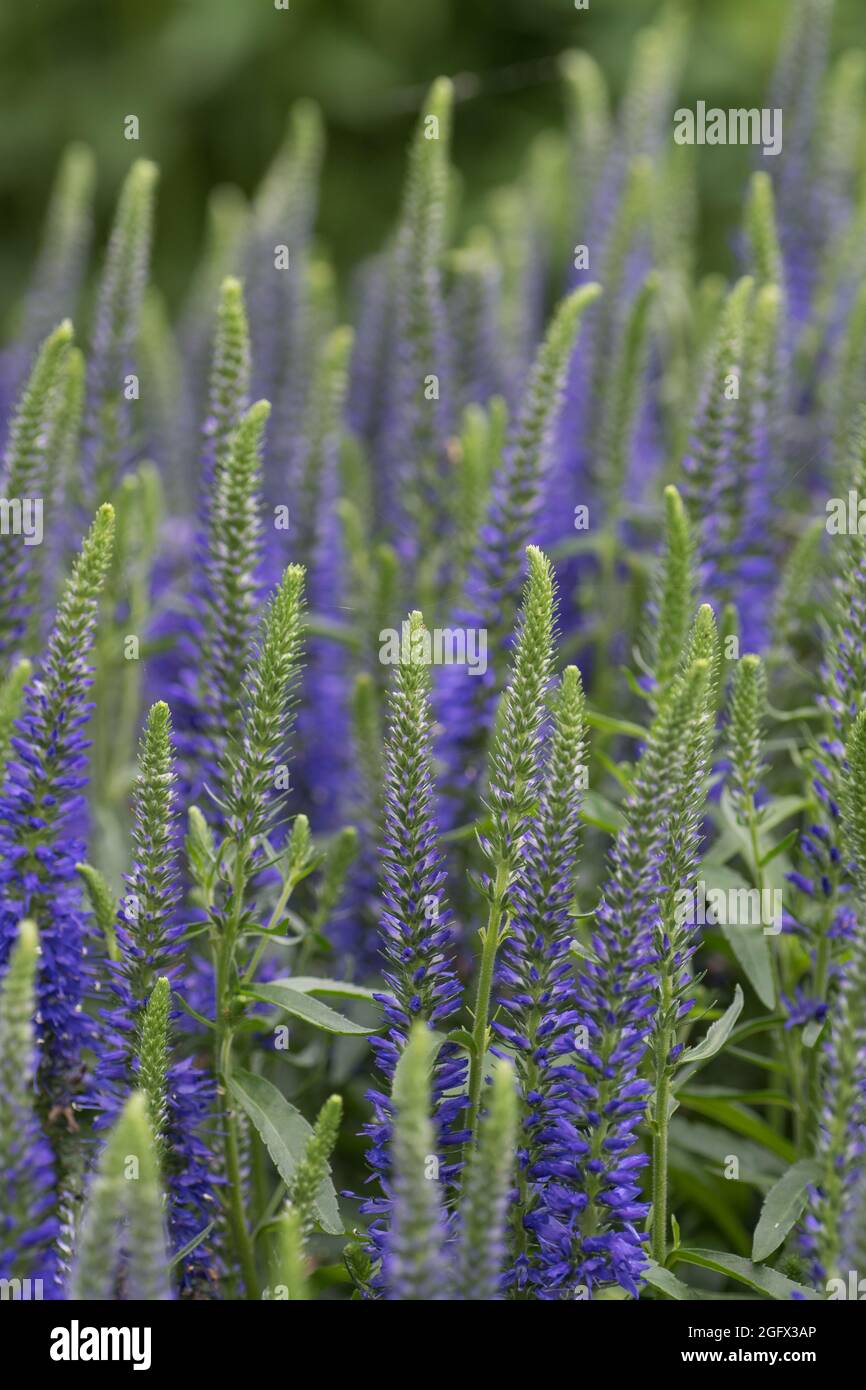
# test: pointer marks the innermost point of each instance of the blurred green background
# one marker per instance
(211, 81)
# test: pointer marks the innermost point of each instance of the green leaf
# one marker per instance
(812, 1031)
(609, 725)
(758, 1167)
(667, 1283)
(599, 811)
(304, 1006)
(463, 1038)
(763, 1097)
(340, 989)
(717, 1033)
(191, 1245)
(781, 808)
(285, 1134)
(742, 1121)
(783, 1206)
(766, 1281)
(748, 943)
(784, 844)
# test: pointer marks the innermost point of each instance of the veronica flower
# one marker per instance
(150, 945)
(108, 427)
(515, 218)
(367, 373)
(323, 771)
(354, 930)
(796, 90)
(11, 696)
(24, 475)
(250, 810)
(415, 924)
(276, 272)
(676, 936)
(493, 586)
(534, 973)
(833, 1226)
(228, 393)
(415, 1250)
(121, 1251)
(418, 404)
(59, 269)
(731, 466)
(41, 810)
(487, 1192)
(474, 313)
(28, 1223)
(587, 1224)
(613, 215)
(219, 643)
(823, 877)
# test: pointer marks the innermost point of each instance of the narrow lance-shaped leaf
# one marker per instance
(286, 1136)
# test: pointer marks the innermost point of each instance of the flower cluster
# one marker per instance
(444, 935)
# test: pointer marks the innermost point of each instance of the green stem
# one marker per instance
(491, 938)
(224, 1039)
(660, 1132)
(480, 1028)
(607, 594)
(781, 1044)
(285, 894)
(237, 1216)
(822, 976)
